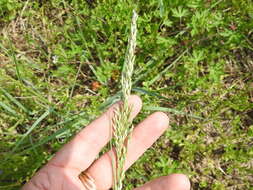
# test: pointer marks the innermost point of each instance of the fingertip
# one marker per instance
(162, 120)
(136, 104)
(135, 97)
(162, 116)
(171, 182)
(178, 182)
(135, 101)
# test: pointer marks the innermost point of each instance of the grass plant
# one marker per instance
(122, 126)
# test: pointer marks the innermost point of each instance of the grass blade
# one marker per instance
(35, 124)
(14, 100)
(111, 100)
(14, 58)
(150, 93)
(144, 71)
(171, 110)
(8, 108)
(167, 68)
(47, 139)
(59, 132)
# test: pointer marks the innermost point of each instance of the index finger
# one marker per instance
(81, 151)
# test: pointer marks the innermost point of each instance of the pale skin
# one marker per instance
(62, 171)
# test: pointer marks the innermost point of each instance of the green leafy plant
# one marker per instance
(8, 9)
(179, 12)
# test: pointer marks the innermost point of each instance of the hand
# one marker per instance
(62, 171)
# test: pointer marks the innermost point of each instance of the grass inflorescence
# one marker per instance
(122, 126)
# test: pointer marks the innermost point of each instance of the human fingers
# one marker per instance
(51, 179)
(171, 182)
(81, 151)
(143, 136)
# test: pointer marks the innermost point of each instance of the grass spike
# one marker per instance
(122, 126)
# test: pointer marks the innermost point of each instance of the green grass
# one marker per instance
(60, 65)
